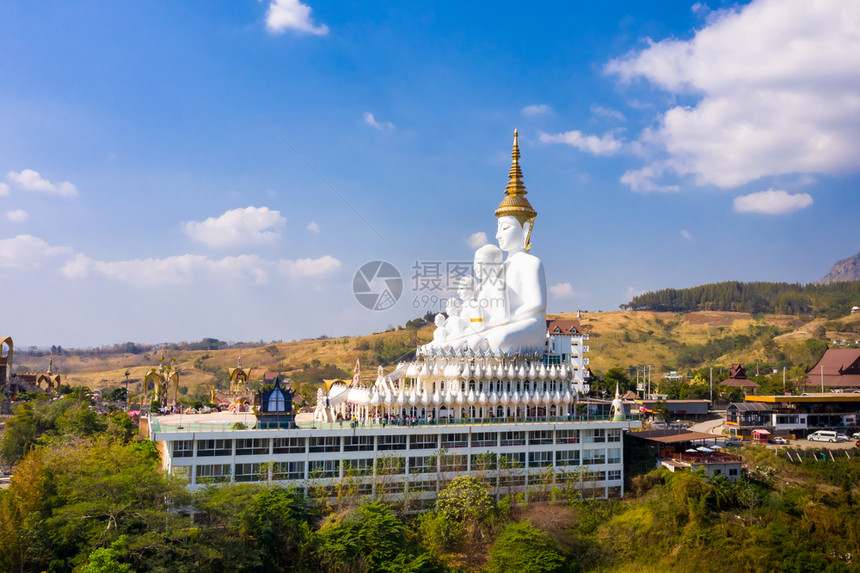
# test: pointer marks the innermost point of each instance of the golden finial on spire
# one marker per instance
(515, 203)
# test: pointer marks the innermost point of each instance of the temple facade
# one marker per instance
(498, 393)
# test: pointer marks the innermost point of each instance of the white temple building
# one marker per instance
(498, 393)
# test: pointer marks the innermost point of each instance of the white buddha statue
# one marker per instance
(522, 325)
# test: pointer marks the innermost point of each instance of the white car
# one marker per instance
(841, 438)
(778, 440)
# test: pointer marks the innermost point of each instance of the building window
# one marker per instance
(325, 444)
(614, 475)
(252, 446)
(455, 440)
(484, 462)
(288, 446)
(249, 472)
(276, 403)
(514, 460)
(282, 471)
(422, 486)
(592, 457)
(540, 437)
(214, 448)
(513, 438)
(614, 456)
(485, 439)
(362, 467)
(358, 444)
(183, 448)
(594, 436)
(567, 458)
(422, 464)
(733, 472)
(216, 473)
(390, 465)
(392, 442)
(424, 442)
(324, 469)
(453, 463)
(183, 473)
(614, 435)
(540, 459)
(566, 436)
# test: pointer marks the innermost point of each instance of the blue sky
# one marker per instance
(170, 171)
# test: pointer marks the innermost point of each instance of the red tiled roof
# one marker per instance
(841, 369)
(739, 383)
(564, 326)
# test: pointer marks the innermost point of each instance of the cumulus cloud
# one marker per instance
(30, 180)
(607, 112)
(238, 227)
(313, 227)
(306, 268)
(643, 180)
(18, 215)
(532, 110)
(371, 121)
(685, 234)
(28, 252)
(184, 269)
(772, 202)
(286, 15)
(562, 290)
(777, 82)
(477, 240)
(4, 189)
(169, 271)
(605, 145)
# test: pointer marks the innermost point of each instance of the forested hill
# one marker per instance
(781, 298)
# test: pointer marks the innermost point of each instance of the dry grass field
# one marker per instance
(620, 338)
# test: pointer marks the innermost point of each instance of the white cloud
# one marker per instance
(18, 215)
(169, 271)
(477, 240)
(184, 269)
(371, 121)
(772, 202)
(605, 145)
(562, 290)
(27, 251)
(286, 15)
(306, 268)
(607, 112)
(4, 189)
(632, 292)
(642, 180)
(248, 226)
(313, 227)
(30, 180)
(685, 234)
(533, 110)
(778, 83)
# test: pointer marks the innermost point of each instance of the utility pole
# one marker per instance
(783, 379)
(712, 385)
(822, 378)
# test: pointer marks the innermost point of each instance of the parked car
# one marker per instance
(778, 440)
(841, 438)
(733, 443)
(857, 445)
(856, 436)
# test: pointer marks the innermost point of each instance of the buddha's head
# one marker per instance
(488, 259)
(515, 214)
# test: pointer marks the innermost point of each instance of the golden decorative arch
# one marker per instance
(48, 381)
(6, 359)
(239, 380)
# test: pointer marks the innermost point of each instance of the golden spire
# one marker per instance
(515, 203)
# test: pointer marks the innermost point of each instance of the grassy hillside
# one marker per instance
(666, 340)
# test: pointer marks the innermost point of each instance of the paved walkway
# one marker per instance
(710, 427)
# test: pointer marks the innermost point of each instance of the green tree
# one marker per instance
(523, 548)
